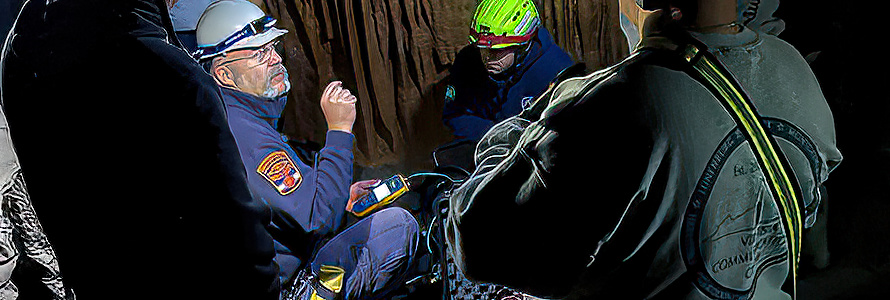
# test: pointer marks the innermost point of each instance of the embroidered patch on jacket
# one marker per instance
(450, 93)
(281, 172)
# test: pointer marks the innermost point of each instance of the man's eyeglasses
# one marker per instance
(262, 55)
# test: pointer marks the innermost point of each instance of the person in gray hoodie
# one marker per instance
(646, 180)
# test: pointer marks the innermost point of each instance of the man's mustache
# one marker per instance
(279, 70)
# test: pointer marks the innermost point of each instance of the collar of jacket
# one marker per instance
(263, 107)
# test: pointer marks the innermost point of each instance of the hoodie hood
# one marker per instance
(100, 19)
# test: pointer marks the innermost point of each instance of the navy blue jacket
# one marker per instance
(475, 101)
(307, 202)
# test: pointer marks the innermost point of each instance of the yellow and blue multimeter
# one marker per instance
(383, 193)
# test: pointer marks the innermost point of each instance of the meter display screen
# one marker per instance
(381, 192)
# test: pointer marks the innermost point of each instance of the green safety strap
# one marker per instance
(719, 80)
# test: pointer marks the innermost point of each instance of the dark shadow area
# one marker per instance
(840, 41)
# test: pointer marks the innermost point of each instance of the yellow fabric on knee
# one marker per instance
(330, 277)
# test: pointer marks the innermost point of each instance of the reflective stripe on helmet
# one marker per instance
(488, 40)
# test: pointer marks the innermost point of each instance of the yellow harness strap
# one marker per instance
(771, 160)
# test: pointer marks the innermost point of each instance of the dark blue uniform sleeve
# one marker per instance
(468, 126)
(469, 110)
(464, 111)
(314, 198)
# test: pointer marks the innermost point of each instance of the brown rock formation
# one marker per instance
(394, 55)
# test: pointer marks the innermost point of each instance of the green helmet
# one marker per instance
(504, 23)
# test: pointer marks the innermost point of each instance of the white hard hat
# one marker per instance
(233, 24)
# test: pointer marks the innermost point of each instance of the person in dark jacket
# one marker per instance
(308, 200)
(129, 160)
(704, 174)
(511, 62)
(24, 247)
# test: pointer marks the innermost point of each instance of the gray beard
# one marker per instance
(271, 92)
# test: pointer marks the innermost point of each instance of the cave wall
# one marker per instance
(395, 54)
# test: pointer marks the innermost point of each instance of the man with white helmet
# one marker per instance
(308, 201)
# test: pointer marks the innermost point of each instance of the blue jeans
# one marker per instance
(375, 253)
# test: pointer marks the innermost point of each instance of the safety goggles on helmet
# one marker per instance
(490, 40)
(255, 27)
